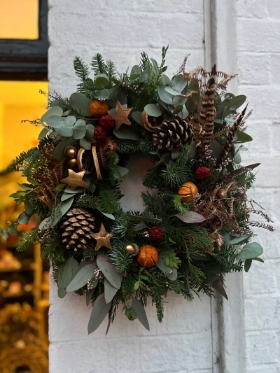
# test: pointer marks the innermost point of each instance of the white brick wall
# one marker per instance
(258, 57)
(187, 340)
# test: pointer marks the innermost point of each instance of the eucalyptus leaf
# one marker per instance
(109, 271)
(89, 132)
(170, 273)
(103, 94)
(86, 144)
(247, 264)
(164, 80)
(66, 196)
(153, 110)
(55, 121)
(53, 111)
(109, 291)
(99, 311)
(226, 238)
(89, 295)
(136, 115)
(65, 131)
(101, 81)
(239, 240)
(125, 133)
(60, 210)
(109, 216)
(191, 217)
(43, 133)
(69, 121)
(23, 218)
(237, 158)
(80, 103)
(177, 109)
(140, 312)
(172, 91)
(82, 277)
(243, 137)
(135, 70)
(59, 102)
(250, 251)
(12, 230)
(179, 83)
(164, 95)
(70, 269)
(122, 170)
(58, 153)
(179, 100)
(80, 129)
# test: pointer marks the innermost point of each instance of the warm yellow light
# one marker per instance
(19, 19)
(19, 101)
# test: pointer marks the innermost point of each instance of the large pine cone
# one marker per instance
(77, 226)
(173, 133)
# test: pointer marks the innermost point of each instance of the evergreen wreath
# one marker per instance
(195, 223)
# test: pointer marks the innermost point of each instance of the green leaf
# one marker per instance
(53, 111)
(80, 129)
(84, 143)
(153, 110)
(23, 218)
(250, 251)
(55, 121)
(136, 115)
(69, 121)
(239, 240)
(5, 234)
(43, 133)
(191, 217)
(109, 271)
(178, 109)
(89, 132)
(136, 285)
(89, 295)
(172, 91)
(140, 312)
(80, 103)
(101, 81)
(126, 133)
(99, 311)
(179, 83)
(165, 96)
(247, 264)
(103, 94)
(60, 210)
(65, 131)
(109, 216)
(69, 271)
(109, 291)
(82, 277)
(58, 153)
(12, 230)
(169, 272)
(242, 137)
(258, 260)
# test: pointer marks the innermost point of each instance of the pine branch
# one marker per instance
(81, 69)
(27, 239)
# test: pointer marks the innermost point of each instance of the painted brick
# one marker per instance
(262, 347)
(258, 35)
(274, 69)
(250, 9)
(262, 313)
(260, 280)
(273, 9)
(267, 368)
(253, 68)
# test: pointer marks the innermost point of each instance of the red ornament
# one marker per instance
(155, 233)
(99, 134)
(202, 172)
(107, 122)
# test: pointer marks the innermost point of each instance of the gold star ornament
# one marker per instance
(121, 115)
(75, 179)
(102, 238)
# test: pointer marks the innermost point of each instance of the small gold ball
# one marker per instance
(72, 163)
(130, 249)
(221, 194)
(70, 151)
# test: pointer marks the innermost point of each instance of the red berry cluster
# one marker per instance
(202, 172)
(155, 233)
(106, 124)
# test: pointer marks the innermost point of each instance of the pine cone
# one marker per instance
(173, 133)
(77, 226)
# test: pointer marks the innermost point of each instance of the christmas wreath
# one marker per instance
(184, 136)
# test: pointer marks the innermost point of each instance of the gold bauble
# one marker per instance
(222, 193)
(132, 249)
(72, 163)
(70, 151)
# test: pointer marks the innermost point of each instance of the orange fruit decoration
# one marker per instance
(98, 108)
(147, 256)
(188, 190)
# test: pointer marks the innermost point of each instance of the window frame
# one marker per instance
(22, 59)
